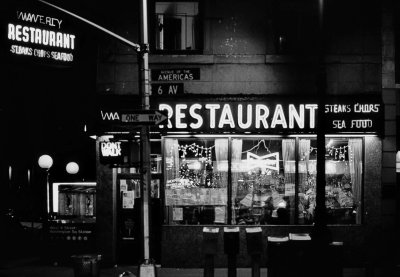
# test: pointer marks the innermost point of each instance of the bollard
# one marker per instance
(231, 248)
(210, 243)
(254, 248)
(277, 255)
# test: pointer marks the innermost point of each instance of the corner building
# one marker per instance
(239, 82)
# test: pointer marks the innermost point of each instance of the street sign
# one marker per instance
(133, 117)
(175, 74)
(167, 89)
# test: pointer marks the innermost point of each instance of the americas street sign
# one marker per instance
(133, 117)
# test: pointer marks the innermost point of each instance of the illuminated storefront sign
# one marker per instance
(269, 115)
(41, 37)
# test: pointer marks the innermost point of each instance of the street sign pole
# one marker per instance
(147, 268)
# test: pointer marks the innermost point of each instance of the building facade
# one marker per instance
(240, 82)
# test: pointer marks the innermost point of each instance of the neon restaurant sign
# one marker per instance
(40, 37)
(271, 115)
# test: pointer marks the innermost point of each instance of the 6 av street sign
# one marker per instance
(133, 117)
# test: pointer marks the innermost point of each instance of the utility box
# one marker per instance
(277, 256)
(210, 240)
(231, 240)
(254, 240)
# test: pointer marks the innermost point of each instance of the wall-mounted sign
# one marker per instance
(363, 114)
(72, 232)
(167, 89)
(175, 75)
(32, 34)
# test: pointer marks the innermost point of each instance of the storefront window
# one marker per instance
(263, 181)
(343, 176)
(268, 181)
(343, 171)
(196, 173)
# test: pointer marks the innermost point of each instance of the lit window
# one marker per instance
(267, 181)
(343, 177)
(177, 26)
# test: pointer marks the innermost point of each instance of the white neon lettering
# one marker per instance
(45, 37)
(52, 40)
(226, 117)
(212, 108)
(18, 33)
(72, 41)
(312, 108)
(279, 117)
(59, 37)
(180, 115)
(32, 30)
(193, 114)
(170, 111)
(262, 112)
(38, 36)
(294, 115)
(11, 31)
(25, 34)
(240, 116)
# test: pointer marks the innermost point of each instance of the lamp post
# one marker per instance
(45, 162)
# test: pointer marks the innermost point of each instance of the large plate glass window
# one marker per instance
(263, 181)
(196, 174)
(268, 180)
(177, 25)
(343, 176)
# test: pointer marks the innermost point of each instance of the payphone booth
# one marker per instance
(121, 157)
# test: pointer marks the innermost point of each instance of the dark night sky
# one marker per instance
(45, 106)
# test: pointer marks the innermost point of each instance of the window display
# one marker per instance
(196, 174)
(263, 176)
(260, 180)
(343, 174)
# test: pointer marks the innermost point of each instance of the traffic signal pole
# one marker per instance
(145, 134)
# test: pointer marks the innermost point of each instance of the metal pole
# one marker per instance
(320, 232)
(144, 134)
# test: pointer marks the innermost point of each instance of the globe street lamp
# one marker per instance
(72, 168)
(45, 162)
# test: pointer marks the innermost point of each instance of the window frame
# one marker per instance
(153, 27)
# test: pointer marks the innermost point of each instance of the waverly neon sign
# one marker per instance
(40, 42)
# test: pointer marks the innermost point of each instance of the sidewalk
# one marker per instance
(28, 268)
(62, 271)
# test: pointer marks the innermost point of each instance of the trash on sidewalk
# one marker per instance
(86, 265)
